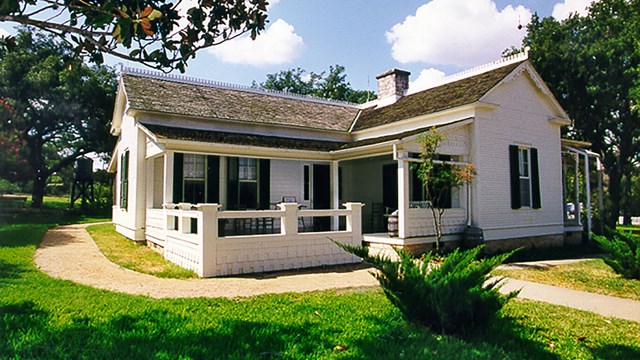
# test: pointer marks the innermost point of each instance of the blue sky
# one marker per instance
(427, 38)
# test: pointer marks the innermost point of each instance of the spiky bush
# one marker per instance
(449, 294)
(623, 252)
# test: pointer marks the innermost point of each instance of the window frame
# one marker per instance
(188, 178)
(124, 180)
(524, 165)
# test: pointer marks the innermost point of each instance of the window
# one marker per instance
(247, 183)
(194, 178)
(124, 180)
(525, 179)
(441, 193)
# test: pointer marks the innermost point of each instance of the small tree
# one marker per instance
(439, 177)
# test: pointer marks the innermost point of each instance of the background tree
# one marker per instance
(61, 108)
(327, 85)
(158, 33)
(592, 65)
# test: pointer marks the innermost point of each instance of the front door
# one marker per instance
(321, 195)
(390, 186)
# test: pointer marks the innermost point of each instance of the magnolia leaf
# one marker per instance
(116, 33)
(147, 11)
(154, 15)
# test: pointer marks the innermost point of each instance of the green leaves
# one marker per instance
(448, 293)
(133, 29)
(332, 86)
(623, 251)
(592, 65)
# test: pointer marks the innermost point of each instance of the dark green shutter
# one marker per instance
(213, 179)
(515, 176)
(232, 183)
(535, 180)
(178, 165)
(264, 178)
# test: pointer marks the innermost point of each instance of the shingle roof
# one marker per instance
(175, 97)
(447, 96)
(212, 102)
(221, 137)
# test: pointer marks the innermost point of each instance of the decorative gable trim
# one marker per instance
(527, 68)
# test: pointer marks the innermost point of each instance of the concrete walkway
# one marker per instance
(69, 253)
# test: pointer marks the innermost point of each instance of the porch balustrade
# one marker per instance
(193, 238)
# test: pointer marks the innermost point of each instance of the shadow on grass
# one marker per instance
(151, 334)
(503, 339)
(9, 271)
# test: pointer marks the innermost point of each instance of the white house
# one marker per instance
(228, 179)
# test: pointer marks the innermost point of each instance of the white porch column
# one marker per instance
(403, 194)
(587, 184)
(335, 192)
(167, 196)
(354, 222)
(208, 237)
(289, 221)
(577, 207)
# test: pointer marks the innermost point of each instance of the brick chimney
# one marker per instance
(392, 85)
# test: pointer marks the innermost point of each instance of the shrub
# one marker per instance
(623, 250)
(448, 293)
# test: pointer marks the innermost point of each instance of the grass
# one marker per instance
(589, 275)
(137, 257)
(43, 317)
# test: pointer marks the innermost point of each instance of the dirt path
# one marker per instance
(68, 252)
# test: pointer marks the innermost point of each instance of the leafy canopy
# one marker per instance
(158, 33)
(58, 108)
(592, 65)
(327, 85)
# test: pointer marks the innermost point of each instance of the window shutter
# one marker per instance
(264, 178)
(515, 176)
(232, 183)
(535, 180)
(213, 179)
(178, 165)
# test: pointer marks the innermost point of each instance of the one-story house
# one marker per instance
(226, 179)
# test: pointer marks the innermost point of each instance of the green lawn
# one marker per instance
(42, 317)
(590, 275)
(137, 257)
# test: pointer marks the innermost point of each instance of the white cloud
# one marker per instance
(457, 32)
(426, 79)
(4, 33)
(278, 44)
(562, 10)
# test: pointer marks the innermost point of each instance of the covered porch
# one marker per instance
(582, 170)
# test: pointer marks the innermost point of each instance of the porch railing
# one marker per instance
(192, 238)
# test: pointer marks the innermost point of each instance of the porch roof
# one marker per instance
(220, 137)
(447, 96)
(147, 92)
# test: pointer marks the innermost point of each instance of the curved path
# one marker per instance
(69, 253)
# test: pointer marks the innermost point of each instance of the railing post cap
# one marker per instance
(184, 206)
(209, 207)
(288, 205)
(349, 205)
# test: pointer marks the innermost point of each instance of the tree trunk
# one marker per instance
(37, 193)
